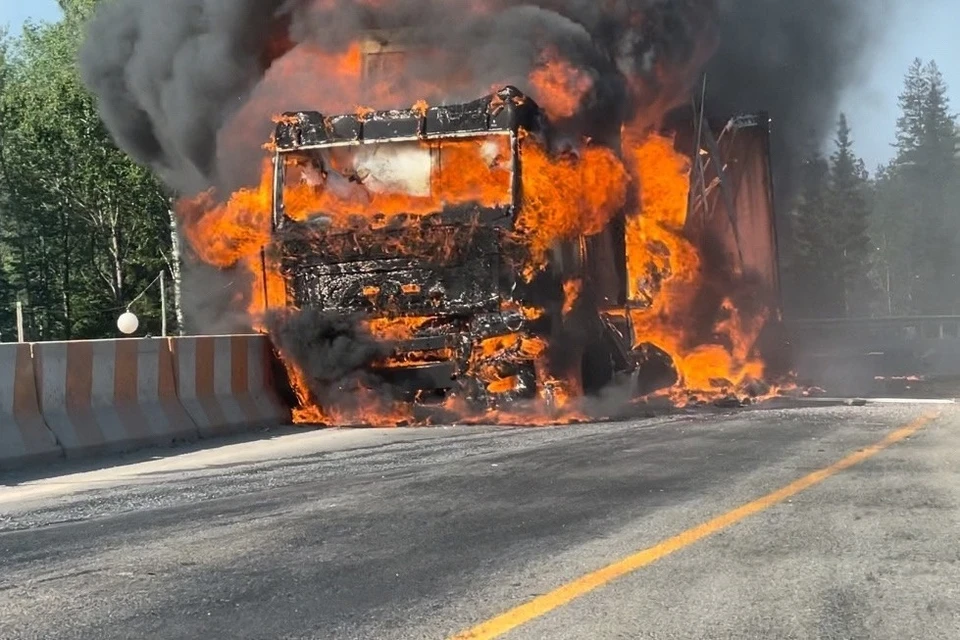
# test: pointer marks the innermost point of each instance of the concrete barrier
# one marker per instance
(24, 436)
(110, 395)
(225, 383)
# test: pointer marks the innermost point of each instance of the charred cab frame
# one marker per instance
(473, 291)
(468, 293)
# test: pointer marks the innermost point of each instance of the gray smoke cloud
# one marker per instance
(327, 347)
(171, 77)
(168, 75)
(794, 60)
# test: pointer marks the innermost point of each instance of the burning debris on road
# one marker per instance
(410, 245)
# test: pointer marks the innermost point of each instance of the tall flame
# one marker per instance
(656, 244)
(565, 196)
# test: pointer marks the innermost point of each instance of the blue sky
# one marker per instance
(14, 12)
(919, 28)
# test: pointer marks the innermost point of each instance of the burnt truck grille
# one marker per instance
(452, 271)
(398, 286)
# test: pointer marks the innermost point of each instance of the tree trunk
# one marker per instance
(116, 257)
(43, 317)
(175, 273)
(889, 293)
(67, 321)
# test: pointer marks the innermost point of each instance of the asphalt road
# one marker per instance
(424, 533)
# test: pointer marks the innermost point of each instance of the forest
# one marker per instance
(85, 232)
(881, 243)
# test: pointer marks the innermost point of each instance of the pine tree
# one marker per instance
(831, 223)
(815, 266)
(848, 207)
(910, 122)
(887, 230)
(916, 220)
(930, 177)
(939, 139)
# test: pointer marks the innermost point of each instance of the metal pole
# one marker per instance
(20, 321)
(263, 272)
(163, 304)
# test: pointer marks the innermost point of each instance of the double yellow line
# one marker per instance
(541, 605)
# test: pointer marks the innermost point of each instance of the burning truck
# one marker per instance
(595, 230)
(488, 266)
(450, 271)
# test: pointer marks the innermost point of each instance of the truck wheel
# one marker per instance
(655, 369)
(596, 368)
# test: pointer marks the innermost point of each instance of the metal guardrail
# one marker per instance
(941, 327)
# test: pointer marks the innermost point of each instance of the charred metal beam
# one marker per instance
(506, 112)
(728, 196)
(428, 343)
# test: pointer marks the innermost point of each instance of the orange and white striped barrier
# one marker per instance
(225, 383)
(110, 395)
(24, 436)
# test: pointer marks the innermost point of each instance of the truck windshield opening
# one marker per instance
(420, 177)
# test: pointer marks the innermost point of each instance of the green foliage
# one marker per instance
(813, 265)
(83, 230)
(849, 205)
(915, 223)
(830, 230)
(888, 245)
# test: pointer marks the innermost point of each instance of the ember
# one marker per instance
(505, 255)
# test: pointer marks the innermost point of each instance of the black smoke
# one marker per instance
(170, 75)
(794, 60)
(328, 349)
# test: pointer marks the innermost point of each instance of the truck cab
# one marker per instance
(408, 222)
(405, 220)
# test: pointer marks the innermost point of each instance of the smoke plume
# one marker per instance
(794, 60)
(189, 87)
(168, 75)
(327, 348)
(171, 76)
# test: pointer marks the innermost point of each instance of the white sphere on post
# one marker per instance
(128, 323)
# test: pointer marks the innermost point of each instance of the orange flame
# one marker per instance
(475, 170)
(566, 197)
(560, 87)
(571, 292)
(656, 244)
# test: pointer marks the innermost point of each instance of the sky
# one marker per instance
(925, 29)
(919, 28)
(14, 12)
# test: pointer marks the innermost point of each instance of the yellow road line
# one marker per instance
(541, 605)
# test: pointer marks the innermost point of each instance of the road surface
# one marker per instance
(817, 522)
